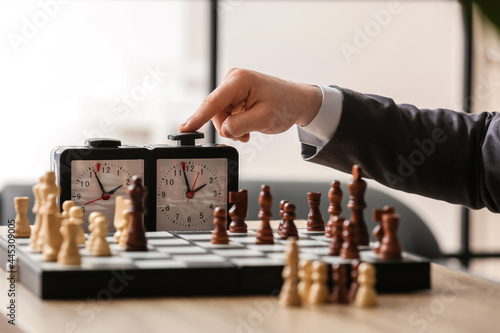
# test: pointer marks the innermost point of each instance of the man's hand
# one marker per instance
(248, 101)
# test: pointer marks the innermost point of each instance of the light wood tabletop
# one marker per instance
(457, 302)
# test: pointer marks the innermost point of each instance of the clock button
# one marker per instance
(102, 143)
(186, 138)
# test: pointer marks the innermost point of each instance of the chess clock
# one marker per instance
(93, 175)
(191, 180)
(185, 181)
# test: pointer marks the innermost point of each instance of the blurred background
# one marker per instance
(135, 70)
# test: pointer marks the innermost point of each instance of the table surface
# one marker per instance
(457, 302)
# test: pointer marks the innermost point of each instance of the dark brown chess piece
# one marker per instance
(354, 280)
(339, 277)
(349, 249)
(289, 229)
(265, 232)
(335, 209)
(378, 231)
(238, 212)
(282, 204)
(136, 240)
(337, 239)
(219, 234)
(390, 247)
(357, 188)
(314, 218)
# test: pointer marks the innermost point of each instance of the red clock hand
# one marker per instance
(190, 194)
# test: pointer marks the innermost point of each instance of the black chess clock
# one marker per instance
(185, 181)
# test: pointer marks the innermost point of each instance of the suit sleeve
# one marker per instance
(442, 154)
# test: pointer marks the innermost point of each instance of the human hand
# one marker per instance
(249, 101)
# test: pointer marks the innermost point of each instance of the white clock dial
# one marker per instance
(188, 190)
(96, 183)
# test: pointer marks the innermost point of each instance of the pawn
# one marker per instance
(314, 218)
(126, 216)
(52, 220)
(305, 272)
(239, 211)
(280, 226)
(339, 277)
(335, 208)
(76, 217)
(289, 229)
(390, 247)
(69, 254)
(91, 238)
(289, 294)
(22, 227)
(366, 295)
(319, 292)
(354, 280)
(219, 234)
(100, 246)
(66, 207)
(265, 232)
(349, 249)
(336, 234)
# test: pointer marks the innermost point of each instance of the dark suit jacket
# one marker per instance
(442, 154)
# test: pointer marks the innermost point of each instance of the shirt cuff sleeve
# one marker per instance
(322, 128)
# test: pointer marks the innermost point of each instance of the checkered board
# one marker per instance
(187, 264)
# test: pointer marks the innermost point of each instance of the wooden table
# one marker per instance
(457, 302)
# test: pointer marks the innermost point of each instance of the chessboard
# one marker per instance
(188, 264)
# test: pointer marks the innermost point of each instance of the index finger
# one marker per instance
(232, 91)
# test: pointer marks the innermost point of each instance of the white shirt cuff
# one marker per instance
(322, 128)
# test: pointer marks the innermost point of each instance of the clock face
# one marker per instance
(96, 183)
(188, 190)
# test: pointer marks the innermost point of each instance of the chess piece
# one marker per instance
(35, 230)
(336, 234)
(52, 224)
(339, 277)
(366, 295)
(390, 247)
(349, 249)
(335, 208)
(136, 240)
(378, 231)
(280, 226)
(126, 225)
(357, 188)
(305, 272)
(219, 234)
(100, 246)
(22, 227)
(66, 207)
(118, 217)
(91, 238)
(314, 218)
(354, 280)
(47, 186)
(238, 212)
(265, 232)
(319, 292)
(289, 294)
(69, 254)
(75, 214)
(289, 229)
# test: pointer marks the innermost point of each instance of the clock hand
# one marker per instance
(190, 194)
(199, 188)
(185, 177)
(115, 189)
(100, 184)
